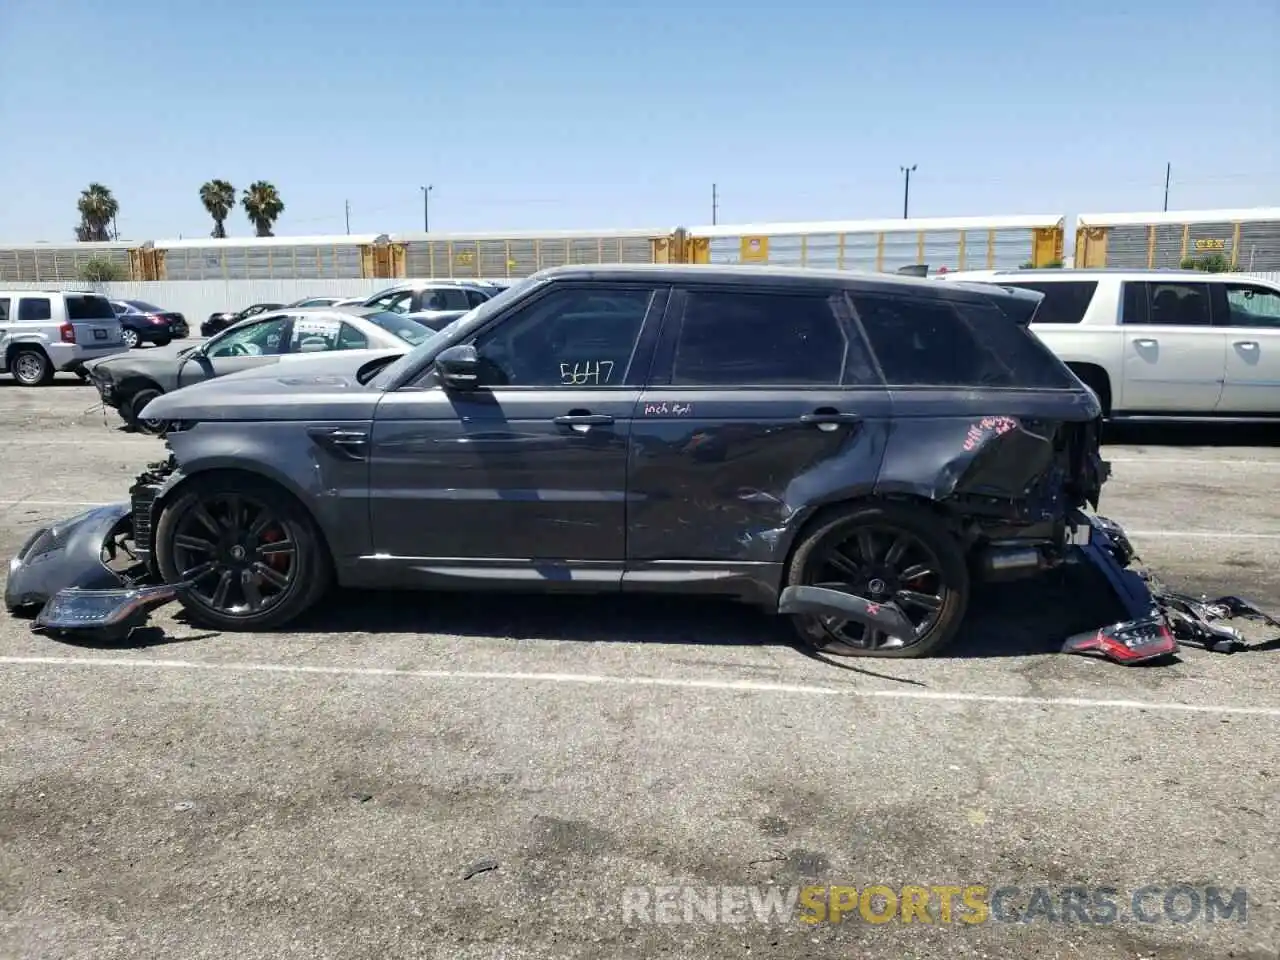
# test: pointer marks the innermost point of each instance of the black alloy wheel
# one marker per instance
(237, 555)
(885, 554)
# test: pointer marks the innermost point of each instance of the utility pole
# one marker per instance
(348, 206)
(715, 204)
(426, 207)
(906, 188)
(1168, 169)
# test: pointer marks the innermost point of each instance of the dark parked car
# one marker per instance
(218, 322)
(132, 380)
(142, 322)
(849, 450)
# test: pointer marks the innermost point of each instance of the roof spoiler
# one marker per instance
(1020, 304)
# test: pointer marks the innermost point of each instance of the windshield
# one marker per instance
(419, 355)
(406, 328)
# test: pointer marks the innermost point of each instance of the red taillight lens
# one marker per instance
(67, 332)
(156, 318)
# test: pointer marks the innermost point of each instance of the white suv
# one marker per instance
(44, 331)
(1161, 344)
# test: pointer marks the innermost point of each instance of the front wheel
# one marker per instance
(131, 408)
(251, 557)
(886, 553)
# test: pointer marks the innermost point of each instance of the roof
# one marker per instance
(1176, 217)
(910, 225)
(610, 234)
(1087, 273)
(734, 273)
(236, 243)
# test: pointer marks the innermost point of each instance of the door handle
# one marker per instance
(1247, 344)
(1144, 342)
(829, 419)
(582, 421)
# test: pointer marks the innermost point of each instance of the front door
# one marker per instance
(1249, 314)
(1174, 357)
(251, 344)
(761, 402)
(532, 464)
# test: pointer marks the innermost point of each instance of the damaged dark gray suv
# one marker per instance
(850, 450)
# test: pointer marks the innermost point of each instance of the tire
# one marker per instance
(925, 532)
(309, 574)
(130, 408)
(1096, 381)
(163, 342)
(30, 366)
(130, 337)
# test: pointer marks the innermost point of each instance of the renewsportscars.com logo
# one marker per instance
(935, 904)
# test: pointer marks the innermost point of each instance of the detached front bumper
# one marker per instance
(74, 574)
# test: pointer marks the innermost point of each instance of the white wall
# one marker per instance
(196, 299)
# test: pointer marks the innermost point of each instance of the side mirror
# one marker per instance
(459, 367)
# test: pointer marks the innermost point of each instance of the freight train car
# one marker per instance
(953, 243)
(1249, 239)
(50, 262)
(340, 257)
(511, 255)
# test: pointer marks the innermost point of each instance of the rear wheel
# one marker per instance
(133, 406)
(130, 337)
(886, 553)
(250, 555)
(163, 342)
(31, 367)
(1095, 380)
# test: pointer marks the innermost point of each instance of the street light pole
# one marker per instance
(906, 189)
(426, 208)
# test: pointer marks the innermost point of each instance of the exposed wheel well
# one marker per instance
(829, 510)
(15, 348)
(204, 476)
(1096, 379)
(133, 384)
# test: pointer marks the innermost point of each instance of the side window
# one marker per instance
(384, 302)
(1064, 302)
(352, 339)
(401, 302)
(1134, 309)
(1252, 306)
(1171, 304)
(475, 298)
(314, 334)
(254, 340)
(34, 308)
(4, 309)
(444, 298)
(763, 339)
(955, 344)
(577, 337)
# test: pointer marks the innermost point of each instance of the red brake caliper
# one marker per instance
(277, 561)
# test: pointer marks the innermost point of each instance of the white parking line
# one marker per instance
(1207, 461)
(1203, 534)
(752, 686)
(55, 503)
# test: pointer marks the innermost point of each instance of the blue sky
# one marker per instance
(564, 115)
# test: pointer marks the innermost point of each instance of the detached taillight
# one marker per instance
(67, 332)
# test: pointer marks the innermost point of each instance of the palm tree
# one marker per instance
(263, 205)
(98, 208)
(219, 198)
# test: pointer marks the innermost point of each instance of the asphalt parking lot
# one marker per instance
(453, 777)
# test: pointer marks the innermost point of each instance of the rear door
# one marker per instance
(1174, 357)
(95, 322)
(763, 400)
(1249, 315)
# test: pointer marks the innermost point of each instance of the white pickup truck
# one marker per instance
(1161, 344)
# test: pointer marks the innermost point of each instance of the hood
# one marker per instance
(141, 359)
(317, 386)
